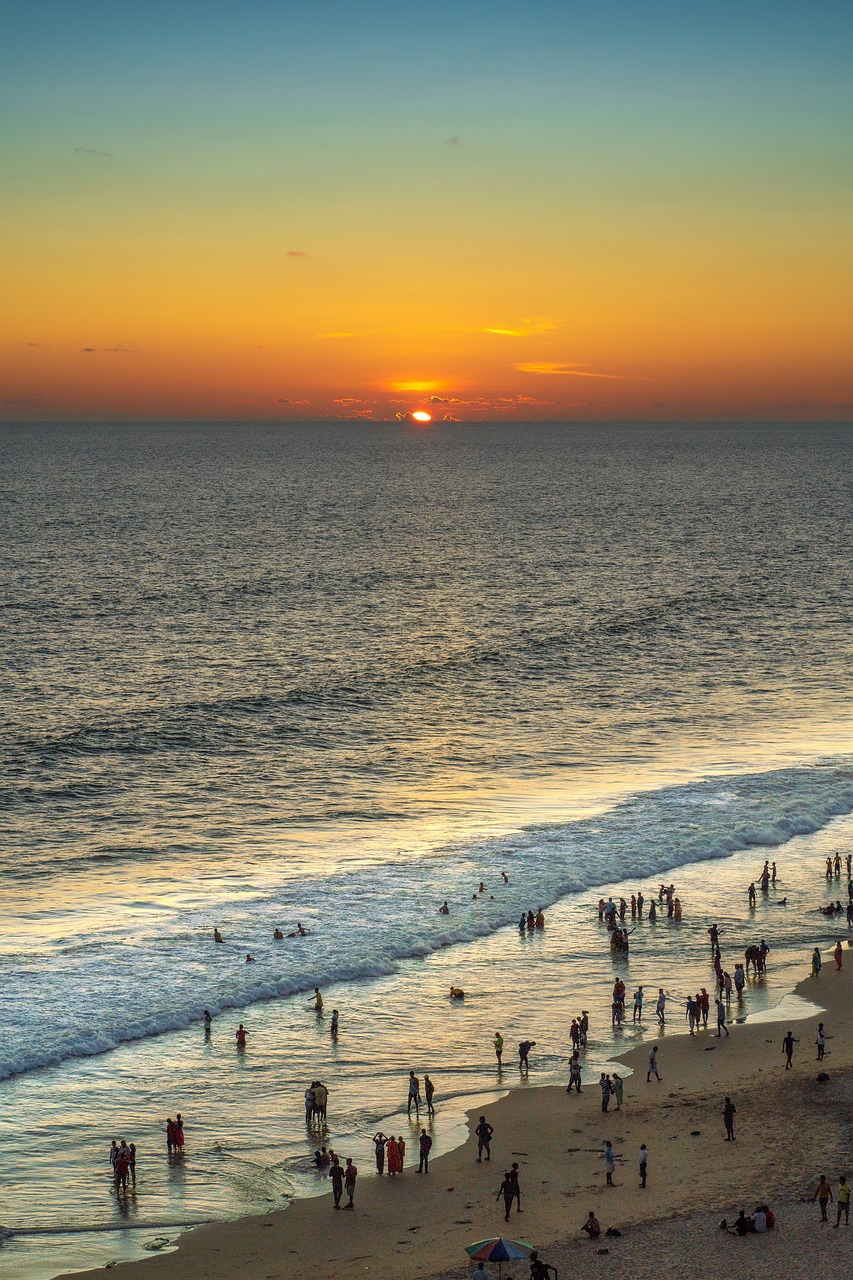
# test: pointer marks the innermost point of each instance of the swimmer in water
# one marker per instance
(456, 993)
(299, 932)
(277, 934)
(250, 959)
(217, 936)
(240, 1033)
(505, 877)
(208, 1019)
(444, 910)
(334, 1026)
(482, 888)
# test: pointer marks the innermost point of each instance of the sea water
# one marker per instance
(338, 674)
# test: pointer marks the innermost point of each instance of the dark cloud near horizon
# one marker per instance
(120, 350)
(88, 348)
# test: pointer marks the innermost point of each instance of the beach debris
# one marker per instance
(821, 1075)
(694, 1133)
(159, 1242)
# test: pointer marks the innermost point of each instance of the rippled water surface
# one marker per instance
(339, 674)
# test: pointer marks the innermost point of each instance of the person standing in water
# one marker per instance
(414, 1094)
(317, 1002)
(429, 1092)
(208, 1022)
(333, 1028)
(499, 1046)
(240, 1035)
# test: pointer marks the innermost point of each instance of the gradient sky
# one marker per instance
(544, 210)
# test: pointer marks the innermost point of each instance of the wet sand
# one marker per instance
(789, 1128)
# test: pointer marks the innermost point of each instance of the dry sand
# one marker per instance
(789, 1128)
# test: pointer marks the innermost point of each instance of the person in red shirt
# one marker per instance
(350, 1175)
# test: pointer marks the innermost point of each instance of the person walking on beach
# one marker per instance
(817, 962)
(484, 1133)
(653, 1065)
(379, 1141)
(350, 1175)
(721, 1018)
(821, 1041)
(513, 1177)
(843, 1200)
(424, 1148)
(539, 1270)
(609, 1163)
(823, 1195)
(788, 1043)
(499, 1046)
(429, 1094)
(638, 1005)
(729, 1110)
(691, 1013)
(508, 1192)
(336, 1173)
(660, 1007)
(414, 1094)
(643, 1163)
(617, 1089)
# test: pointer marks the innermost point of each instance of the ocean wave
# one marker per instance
(365, 923)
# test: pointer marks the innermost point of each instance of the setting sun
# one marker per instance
(420, 415)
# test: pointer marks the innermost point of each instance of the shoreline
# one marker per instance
(420, 1224)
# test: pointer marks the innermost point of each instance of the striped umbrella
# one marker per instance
(499, 1251)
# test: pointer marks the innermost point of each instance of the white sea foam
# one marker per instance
(109, 985)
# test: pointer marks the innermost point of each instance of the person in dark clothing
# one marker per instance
(484, 1133)
(336, 1173)
(425, 1146)
(508, 1192)
(539, 1270)
(729, 1118)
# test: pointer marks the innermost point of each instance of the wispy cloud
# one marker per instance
(296, 253)
(527, 327)
(88, 349)
(93, 151)
(122, 351)
(284, 400)
(455, 141)
(568, 370)
(21, 402)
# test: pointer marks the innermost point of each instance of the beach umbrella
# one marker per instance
(498, 1250)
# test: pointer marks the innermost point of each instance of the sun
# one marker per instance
(420, 415)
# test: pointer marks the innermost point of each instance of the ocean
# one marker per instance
(339, 673)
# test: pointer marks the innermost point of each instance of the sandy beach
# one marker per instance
(789, 1128)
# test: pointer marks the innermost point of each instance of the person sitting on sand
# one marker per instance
(592, 1226)
(743, 1224)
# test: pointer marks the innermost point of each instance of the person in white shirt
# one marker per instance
(759, 1220)
(821, 1041)
(653, 1064)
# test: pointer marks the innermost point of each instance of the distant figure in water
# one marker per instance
(217, 936)
(240, 1034)
(444, 910)
(482, 888)
(456, 993)
(318, 1000)
(250, 959)
(781, 902)
(299, 932)
(505, 877)
(208, 1019)
(277, 934)
(752, 895)
(334, 1024)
